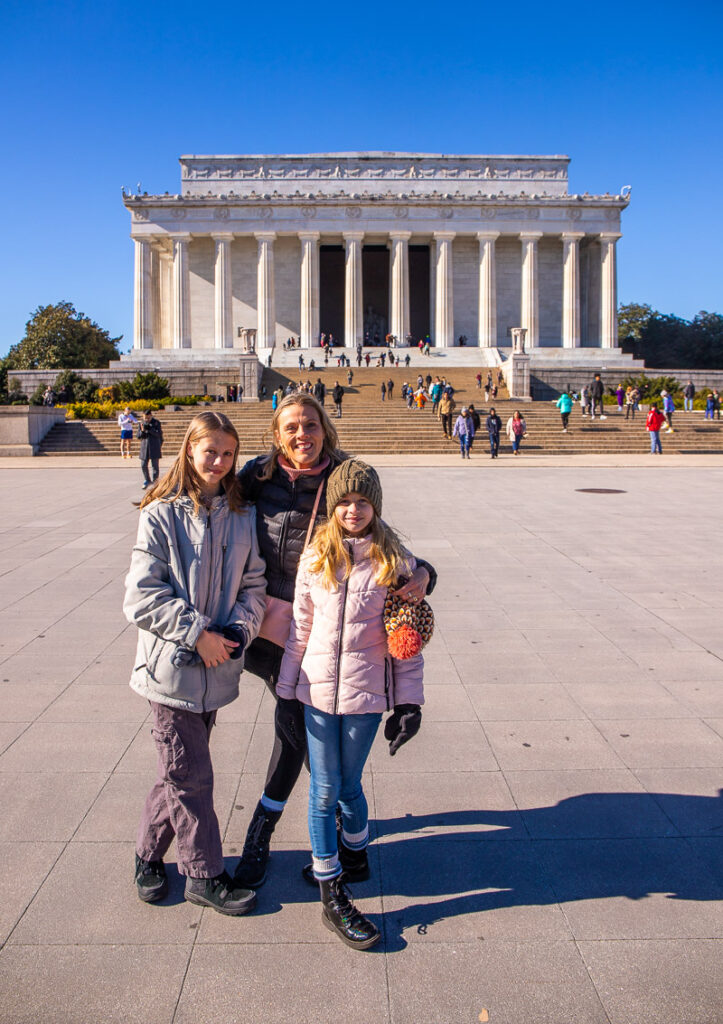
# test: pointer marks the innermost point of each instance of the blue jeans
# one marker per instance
(465, 443)
(688, 404)
(338, 748)
(494, 443)
(655, 442)
(516, 439)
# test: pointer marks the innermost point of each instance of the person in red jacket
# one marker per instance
(653, 423)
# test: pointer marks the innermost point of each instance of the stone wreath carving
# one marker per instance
(140, 215)
(178, 213)
(401, 212)
(221, 213)
(354, 212)
(308, 211)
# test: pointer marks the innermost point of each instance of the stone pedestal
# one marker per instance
(23, 427)
(517, 367)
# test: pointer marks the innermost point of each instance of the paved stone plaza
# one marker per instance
(546, 851)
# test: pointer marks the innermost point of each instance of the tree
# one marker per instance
(632, 321)
(58, 337)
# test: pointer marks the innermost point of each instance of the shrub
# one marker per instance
(109, 410)
(15, 395)
(110, 393)
(74, 387)
(143, 385)
(187, 399)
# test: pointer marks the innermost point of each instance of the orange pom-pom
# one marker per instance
(404, 643)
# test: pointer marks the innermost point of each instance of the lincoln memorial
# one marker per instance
(361, 245)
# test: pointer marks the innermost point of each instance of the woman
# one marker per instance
(515, 429)
(286, 486)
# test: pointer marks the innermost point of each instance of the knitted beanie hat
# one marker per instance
(353, 475)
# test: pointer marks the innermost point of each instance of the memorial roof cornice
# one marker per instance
(132, 200)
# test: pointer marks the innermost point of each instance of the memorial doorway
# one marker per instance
(419, 291)
(331, 291)
(375, 291)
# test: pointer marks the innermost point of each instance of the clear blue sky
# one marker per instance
(98, 95)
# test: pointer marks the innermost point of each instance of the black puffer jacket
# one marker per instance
(283, 510)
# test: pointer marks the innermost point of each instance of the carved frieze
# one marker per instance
(221, 213)
(354, 212)
(393, 169)
(266, 212)
(140, 215)
(401, 212)
(178, 212)
(308, 212)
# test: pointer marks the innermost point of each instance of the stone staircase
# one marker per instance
(374, 427)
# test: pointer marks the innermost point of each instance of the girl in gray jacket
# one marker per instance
(195, 590)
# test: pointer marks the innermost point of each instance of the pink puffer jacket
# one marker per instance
(336, 658)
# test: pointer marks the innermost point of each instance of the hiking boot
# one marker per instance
(354, 865)
(340, 915)
(221, 894)
(251, 869)
(151, 880)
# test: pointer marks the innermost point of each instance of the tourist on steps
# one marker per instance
(464, 430)
(126, 422)
(653, 423)
(564, 404)
(516, 429)
(493, 425)
(288, 487)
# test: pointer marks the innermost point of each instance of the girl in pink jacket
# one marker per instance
(337, 664)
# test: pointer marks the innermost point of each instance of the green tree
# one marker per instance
(58, 337)
(633, 318)
(143, 385)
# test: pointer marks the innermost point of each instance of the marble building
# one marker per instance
(361, 244)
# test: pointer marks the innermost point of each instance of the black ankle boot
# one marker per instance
(354, 865)
(341, 916)
(250, 871)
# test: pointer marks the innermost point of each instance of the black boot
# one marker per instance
(341, 916)
(250, 871)
(151, 880)
(354, 864)
(221, 894)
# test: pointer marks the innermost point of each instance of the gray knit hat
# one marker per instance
(353, 475)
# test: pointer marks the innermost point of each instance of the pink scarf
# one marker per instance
(295, 473)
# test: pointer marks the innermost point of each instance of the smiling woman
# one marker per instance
(288, 487)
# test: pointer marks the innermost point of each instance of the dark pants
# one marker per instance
(564, 416)
(288, 755)
(494, 445)
(154, 467)
(180, 803)
(447, 423)
(337, 406)
(630, 412)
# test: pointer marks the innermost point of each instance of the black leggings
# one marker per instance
(287, 758)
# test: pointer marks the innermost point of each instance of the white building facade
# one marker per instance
(359, 245)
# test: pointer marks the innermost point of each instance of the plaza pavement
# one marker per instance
(546, 851)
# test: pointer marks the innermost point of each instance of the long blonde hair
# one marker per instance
(182, 477)
(331, 438)
(328, 553)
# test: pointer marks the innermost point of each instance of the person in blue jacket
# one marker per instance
(564, 404)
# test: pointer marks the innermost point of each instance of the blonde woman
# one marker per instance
(287, 485)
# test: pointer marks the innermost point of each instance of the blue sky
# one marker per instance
(99, 95)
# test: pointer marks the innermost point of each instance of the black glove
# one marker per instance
(289, 721)
(402, 724)
(235, 633)
(183, 656)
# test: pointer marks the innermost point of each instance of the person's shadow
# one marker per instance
(588, 847)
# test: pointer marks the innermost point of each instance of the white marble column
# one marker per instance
(309, 288)
(608, 291)
(487, 313)
(400, 284)
(223, 327)
(530, 311)
(181, 293)
(353, 299)
(166, 297)
(142, 295)
(571, 288)
(444, 296)
(265, 291)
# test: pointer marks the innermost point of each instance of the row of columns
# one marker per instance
(399, 289)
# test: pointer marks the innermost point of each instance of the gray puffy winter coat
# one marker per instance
(188, 571)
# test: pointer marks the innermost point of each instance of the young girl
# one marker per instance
(195, 590)
(337, 665)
